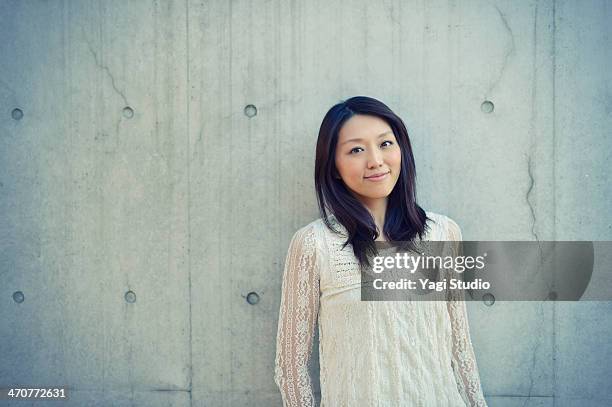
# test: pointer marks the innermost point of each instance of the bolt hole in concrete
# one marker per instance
(130, 296)
(252, 298)
(17, 114)
(488, 299)
(487, 106)
(128, 112)
(250, 111)
(18, 297)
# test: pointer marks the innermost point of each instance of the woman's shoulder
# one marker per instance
(311, 230)
(310, 238)
(439, 224)
(322, 230)
(446, 225)
(320, 225)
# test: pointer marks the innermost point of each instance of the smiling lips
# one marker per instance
(377, 177)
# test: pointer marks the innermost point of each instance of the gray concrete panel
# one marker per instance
(166, 148)
(94, 196)
(583, 192)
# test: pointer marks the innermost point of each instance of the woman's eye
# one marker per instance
(387, 141)
(353, 150)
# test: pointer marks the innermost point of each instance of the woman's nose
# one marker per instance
(374, 159)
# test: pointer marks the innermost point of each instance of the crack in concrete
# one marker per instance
(527, 195)
(108, 72)
(116, 89)
(534, 357)
(510, 50)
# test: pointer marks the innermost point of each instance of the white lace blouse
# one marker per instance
(371, 353)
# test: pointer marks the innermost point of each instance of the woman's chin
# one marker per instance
(375, 195)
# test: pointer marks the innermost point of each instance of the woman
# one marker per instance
(372, 353)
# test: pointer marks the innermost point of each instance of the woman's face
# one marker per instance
(367, 147)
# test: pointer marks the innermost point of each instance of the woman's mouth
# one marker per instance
(378, 177)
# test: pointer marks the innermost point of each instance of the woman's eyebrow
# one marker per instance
(360, 139)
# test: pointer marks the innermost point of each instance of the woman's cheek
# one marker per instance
(397, 157)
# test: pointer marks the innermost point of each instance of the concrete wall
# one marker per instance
(141, 200)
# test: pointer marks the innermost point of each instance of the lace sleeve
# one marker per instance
(297, 319)
(463, 360)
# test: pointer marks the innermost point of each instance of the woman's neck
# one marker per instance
(378, 210)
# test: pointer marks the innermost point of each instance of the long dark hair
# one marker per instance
(404, 219)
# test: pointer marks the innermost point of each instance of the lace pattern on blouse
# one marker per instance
(298, 317)
(297, 320)
(463, 360)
